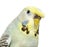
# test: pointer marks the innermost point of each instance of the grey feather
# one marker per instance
(5, 40)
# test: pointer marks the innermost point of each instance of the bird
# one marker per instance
(23, 31)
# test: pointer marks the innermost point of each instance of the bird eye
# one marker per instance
(28, 11)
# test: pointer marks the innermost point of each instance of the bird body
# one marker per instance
(23, 31)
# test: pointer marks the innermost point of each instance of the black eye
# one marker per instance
(28, 11)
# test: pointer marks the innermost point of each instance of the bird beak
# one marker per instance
(36, 20)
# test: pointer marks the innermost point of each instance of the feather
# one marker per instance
(5, 40)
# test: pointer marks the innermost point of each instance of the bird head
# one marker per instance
(30, 18)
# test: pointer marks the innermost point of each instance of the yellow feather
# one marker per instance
(35, 11)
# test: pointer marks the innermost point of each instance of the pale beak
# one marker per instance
(36, 20)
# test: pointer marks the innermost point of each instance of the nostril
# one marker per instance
(37, 17)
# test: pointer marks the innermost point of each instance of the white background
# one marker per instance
(49, 26)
